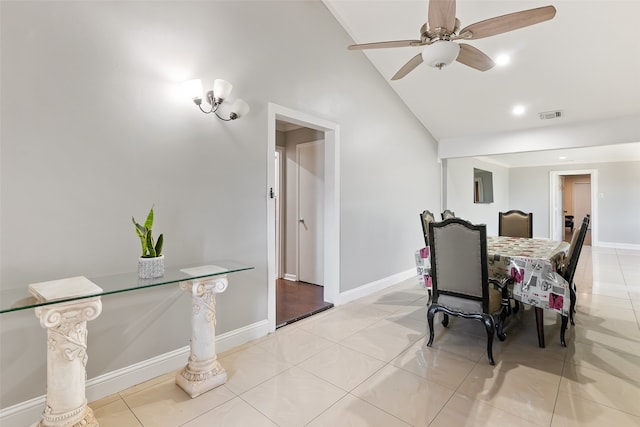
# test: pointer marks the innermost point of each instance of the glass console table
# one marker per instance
(64, 307)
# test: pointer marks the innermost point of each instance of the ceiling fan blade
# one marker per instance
(382, 45)
(509, 22)
(474, 58)
(408, 67)
(442, 14)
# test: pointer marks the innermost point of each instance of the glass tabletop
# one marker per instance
(20, 299)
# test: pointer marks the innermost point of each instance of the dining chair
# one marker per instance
(425, 218)
(568, 271)
(448, 214)
(568, 222)
(515, 223)
(460, 279)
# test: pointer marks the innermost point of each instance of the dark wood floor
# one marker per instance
(297, 300)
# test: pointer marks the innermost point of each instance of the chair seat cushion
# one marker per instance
(495, 299)
(470, 306)
(460, 304)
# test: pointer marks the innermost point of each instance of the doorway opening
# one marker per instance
(303, 215)
(299, 218)
(573, 195)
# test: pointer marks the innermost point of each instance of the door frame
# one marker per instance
(331, 236)
(279, 230)
(554, 184)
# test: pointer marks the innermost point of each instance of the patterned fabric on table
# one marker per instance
(533, 265)
(423, 265)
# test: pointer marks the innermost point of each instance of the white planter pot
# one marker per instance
(150, 268)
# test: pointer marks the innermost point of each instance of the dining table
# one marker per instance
(531, 269)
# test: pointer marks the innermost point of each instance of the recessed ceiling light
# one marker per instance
(518, 110)
(563, 157)
(503, 59)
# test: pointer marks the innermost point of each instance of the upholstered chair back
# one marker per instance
(458, 261)
(448, 214)
(425, 218)
(515, 223)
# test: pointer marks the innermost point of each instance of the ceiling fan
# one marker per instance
(442, 28)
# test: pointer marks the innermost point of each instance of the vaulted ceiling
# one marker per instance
(585, 62)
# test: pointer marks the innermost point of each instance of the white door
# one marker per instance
(310, 159)
(581, 201)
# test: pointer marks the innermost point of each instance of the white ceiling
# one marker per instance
(568, 157)
(584, 62)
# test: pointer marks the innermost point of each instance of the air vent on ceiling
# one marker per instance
(550, 115)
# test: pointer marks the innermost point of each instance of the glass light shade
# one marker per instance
(440, 53)
(239, 108)
(192, 88)
(221, 89)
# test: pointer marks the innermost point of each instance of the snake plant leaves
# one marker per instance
(159, 244)
(148, 224)
(149, 248)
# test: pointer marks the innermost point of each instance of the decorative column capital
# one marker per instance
(83, 310)
(199, 287)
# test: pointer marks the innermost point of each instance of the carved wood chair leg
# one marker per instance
(563, 329)
(500, 325)
(572, 308)
(445, 319)
(540, 326)
(430, 315)
(516, 306)
(505, 310)
(490, 327)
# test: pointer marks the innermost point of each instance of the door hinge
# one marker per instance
(272, 195)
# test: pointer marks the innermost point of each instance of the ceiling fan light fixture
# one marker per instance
(440, 53)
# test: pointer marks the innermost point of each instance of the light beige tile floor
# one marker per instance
(366, 364)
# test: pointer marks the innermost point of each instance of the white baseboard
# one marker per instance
(28, 412)
(378, 285)
(618, 245)
(292, 277)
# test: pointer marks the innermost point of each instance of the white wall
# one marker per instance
(94, 130)
(459, 197)
(617, 206)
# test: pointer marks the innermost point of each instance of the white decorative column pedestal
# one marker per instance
(66, 323)
(203, 371)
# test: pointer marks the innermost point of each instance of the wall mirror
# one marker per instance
(482, 186)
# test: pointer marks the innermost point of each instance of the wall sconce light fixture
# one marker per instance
(215, 98)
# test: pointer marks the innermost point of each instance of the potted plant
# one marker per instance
(151, 262)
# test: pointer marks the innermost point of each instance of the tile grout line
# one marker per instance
(130, 409)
